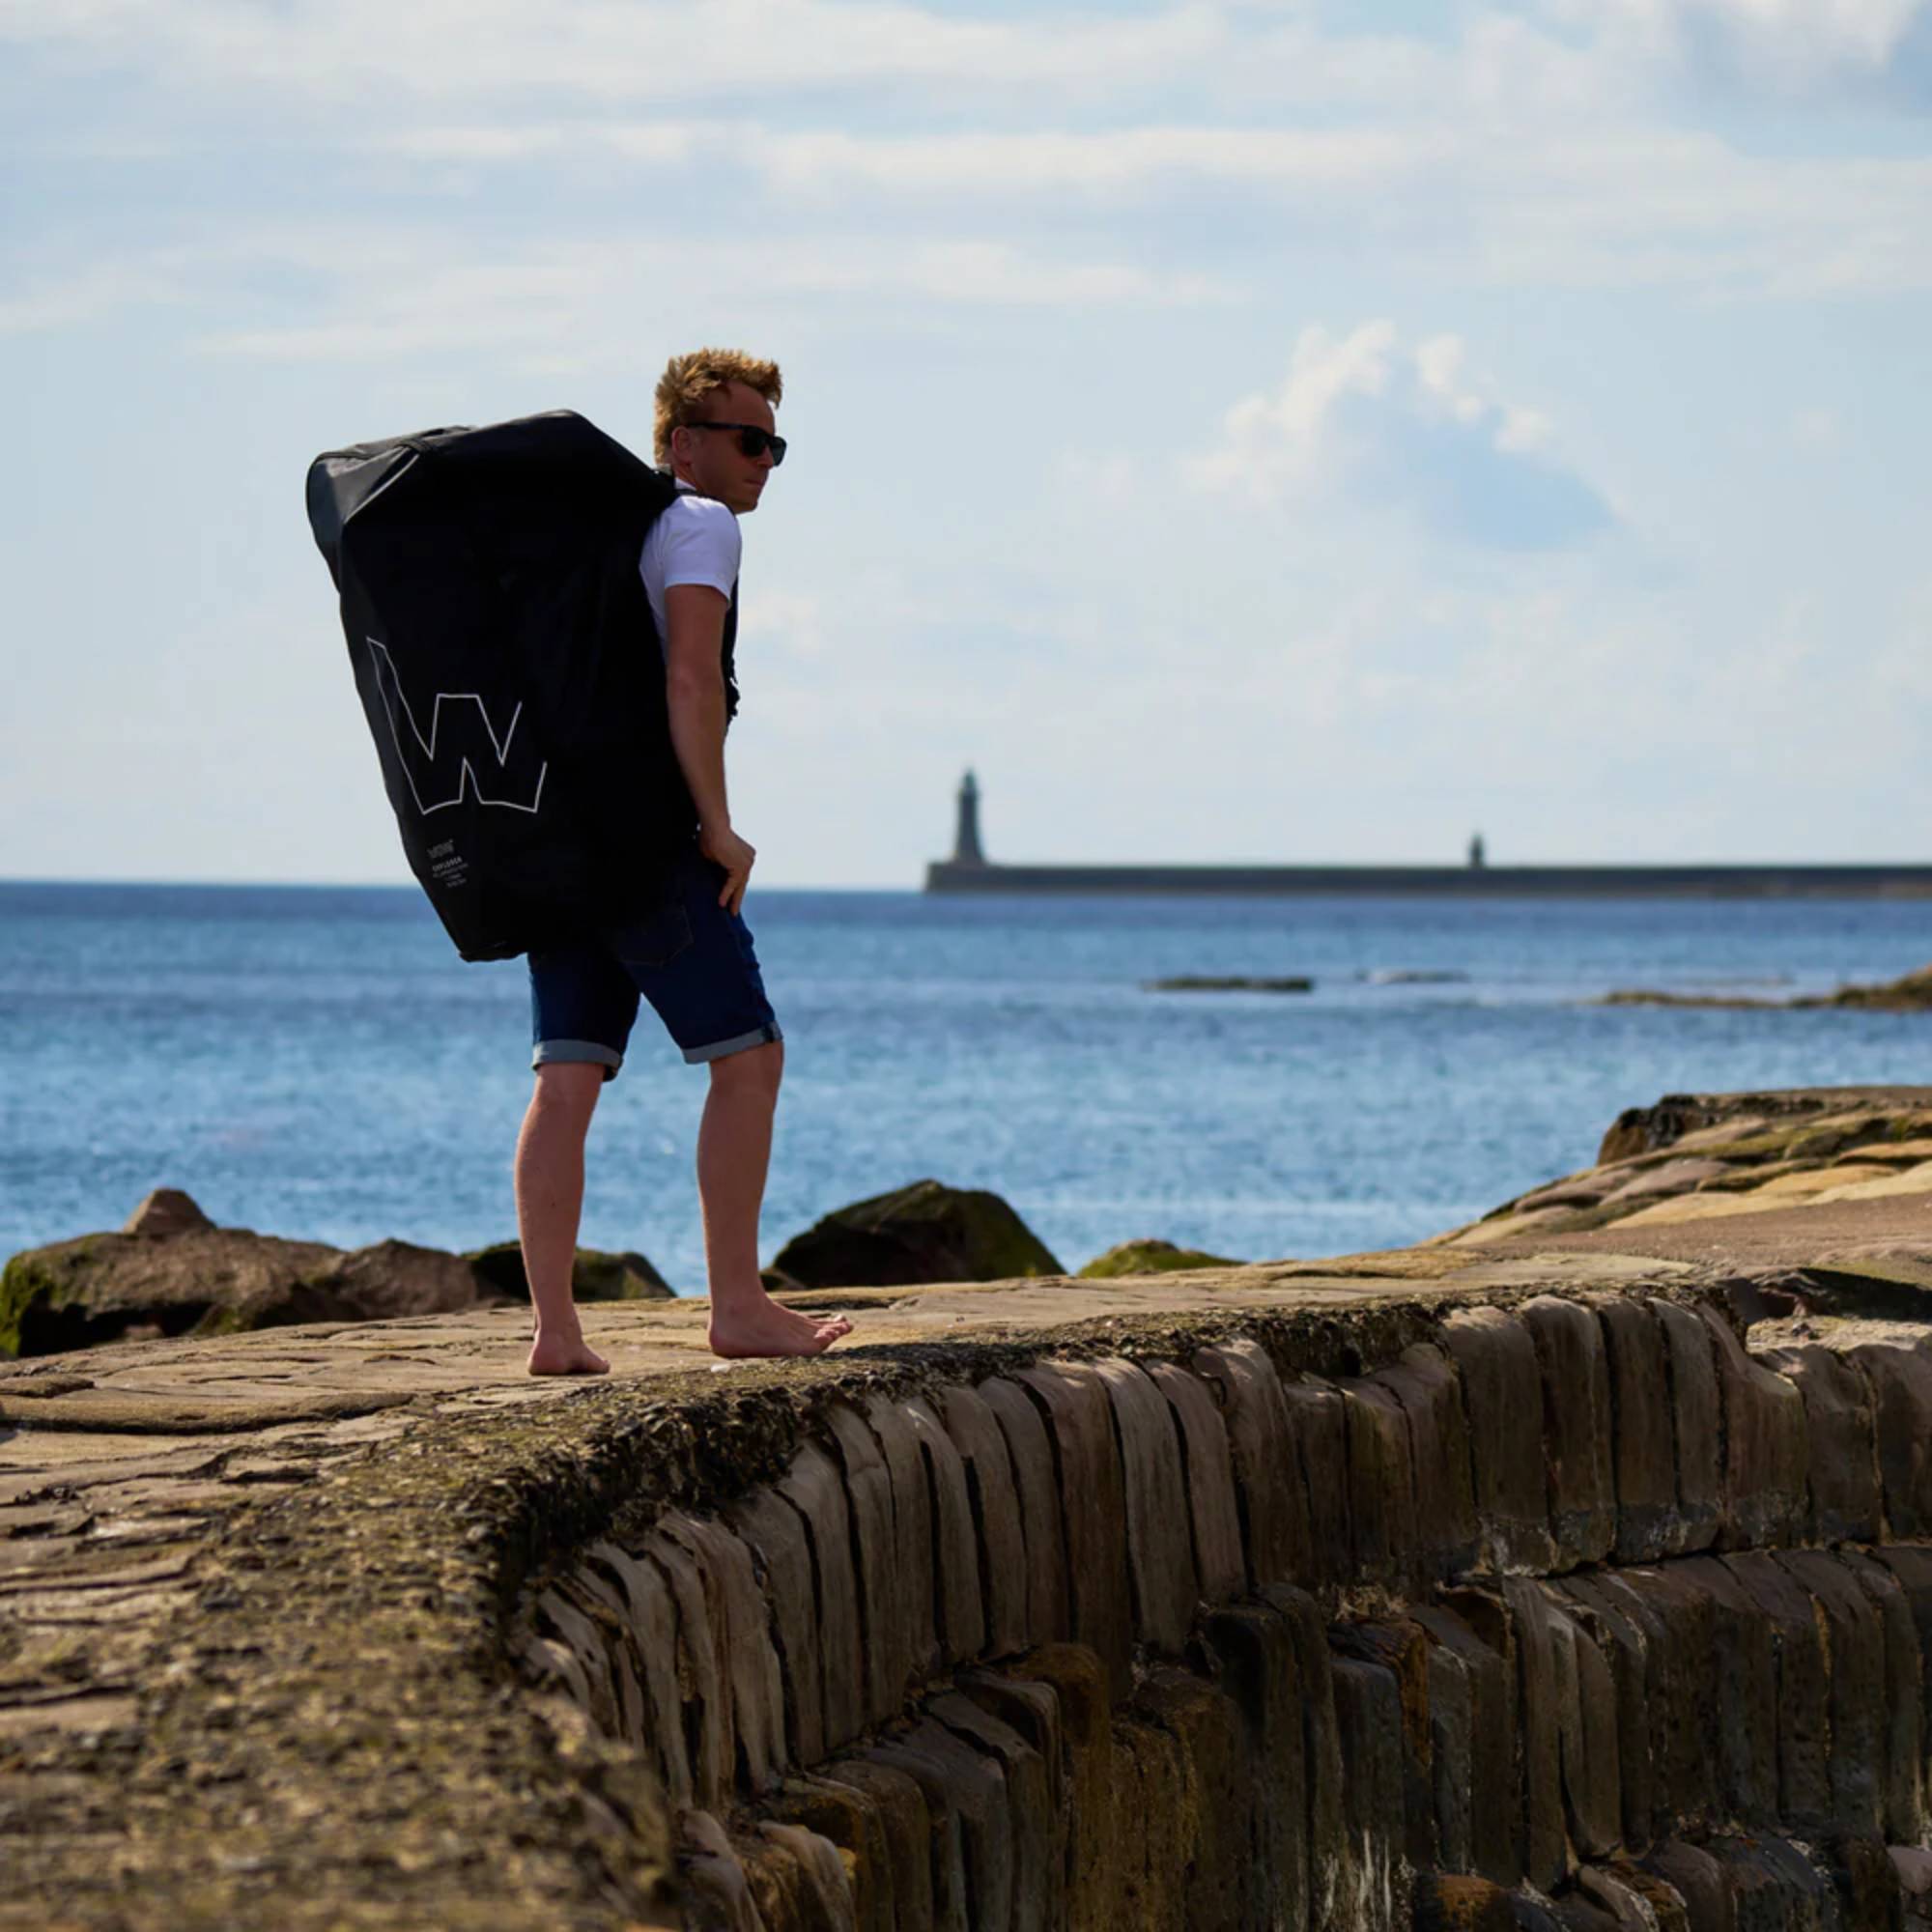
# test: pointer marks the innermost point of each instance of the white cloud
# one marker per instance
(1273, 444)
(475, 143)
(326, 49)
(1559, 60)
(1110, 164)
(1550, 150)
(1362, 418)
(1472, 198)
(588, 297)
(60, 300)
(658, 144)
(380, 291)
(1788, 47)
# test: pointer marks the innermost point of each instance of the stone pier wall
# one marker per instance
(1567, 1612)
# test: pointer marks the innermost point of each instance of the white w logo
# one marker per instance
(441, 765)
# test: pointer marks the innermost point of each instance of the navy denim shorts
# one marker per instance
(689, 958)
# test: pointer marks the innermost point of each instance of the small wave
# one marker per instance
(1404, 976)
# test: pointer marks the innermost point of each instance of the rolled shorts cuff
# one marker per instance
(584, 1052)
(717, 1049)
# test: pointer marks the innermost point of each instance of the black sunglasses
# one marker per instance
(752, 439)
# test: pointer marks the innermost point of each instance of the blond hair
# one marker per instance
(688, 380)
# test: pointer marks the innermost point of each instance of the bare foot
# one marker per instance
(572, 1357)
(761, 1327)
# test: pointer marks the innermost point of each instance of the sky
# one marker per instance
(1256, 431)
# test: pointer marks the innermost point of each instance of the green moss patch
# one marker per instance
(1150, 1256)
(25, 1281)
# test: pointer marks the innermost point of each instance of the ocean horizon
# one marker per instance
(313, 1059)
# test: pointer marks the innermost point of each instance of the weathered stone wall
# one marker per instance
(1571, 1612)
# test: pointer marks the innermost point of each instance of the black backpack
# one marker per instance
(509, 669)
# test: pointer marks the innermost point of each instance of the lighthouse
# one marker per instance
(966, 849)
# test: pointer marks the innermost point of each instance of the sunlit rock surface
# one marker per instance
(1787, 1157)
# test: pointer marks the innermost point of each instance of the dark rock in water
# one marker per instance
(597, 1276)
(1646, 996)
(926, 1231)
(1911, 994)
(390, 1278)
(207, 1280)
(1150, 1256)
(167, 1211)
(97, 1287)
(1196, 982)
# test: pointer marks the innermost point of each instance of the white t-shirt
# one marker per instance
(696, 540)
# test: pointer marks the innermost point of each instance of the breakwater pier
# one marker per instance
(969, 870)
(1449, 881)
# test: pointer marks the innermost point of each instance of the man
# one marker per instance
(715, 433)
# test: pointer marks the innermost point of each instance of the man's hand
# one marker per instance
(725, 848)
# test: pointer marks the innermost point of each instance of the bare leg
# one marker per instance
(550, 1200)
(734, 1148)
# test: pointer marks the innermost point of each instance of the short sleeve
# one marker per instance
(701, 543)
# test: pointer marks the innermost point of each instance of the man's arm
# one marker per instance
(694, 690)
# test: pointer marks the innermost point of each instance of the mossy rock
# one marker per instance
(1150, 1256)
(26, 1282)
(1779, 1115)
(226, 1321)
(1834, 1135)
(597, 1276)
(95, 1288)
(213, 1281)
(921, 1233)
(1910, 994)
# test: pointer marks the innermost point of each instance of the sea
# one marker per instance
(317, 1062)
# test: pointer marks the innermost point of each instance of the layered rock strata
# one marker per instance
(1704, 1158)
(1571, 1612)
